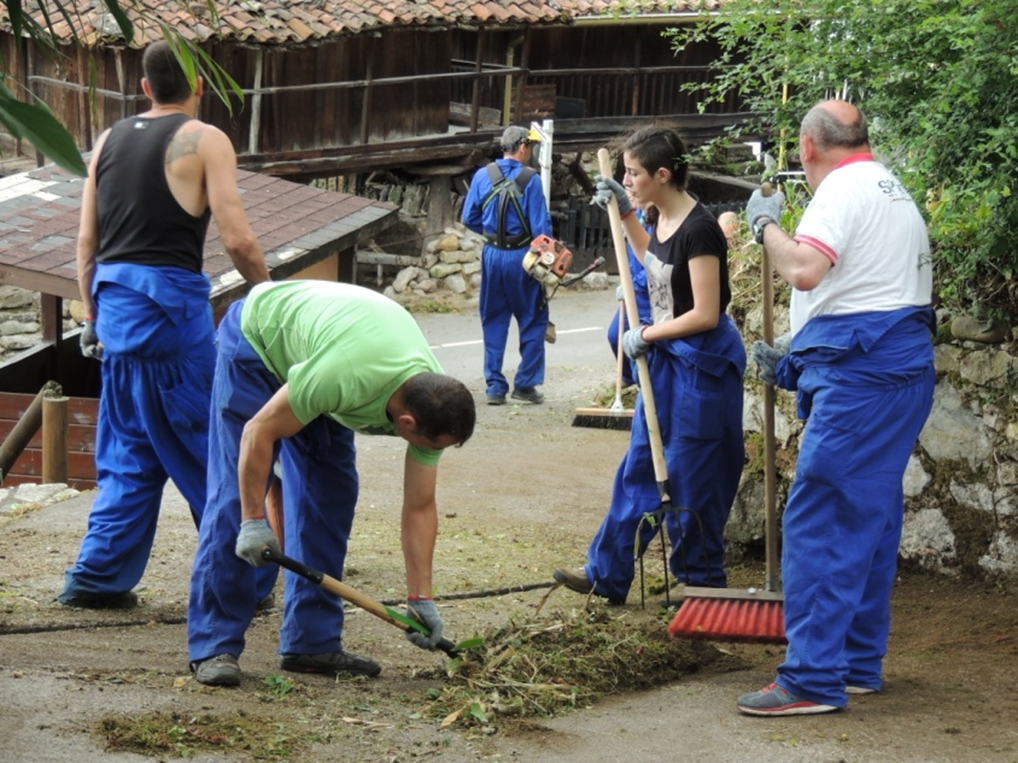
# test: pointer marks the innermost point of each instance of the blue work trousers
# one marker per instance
(842, 523)
(507, 292)
(320, 488)
(156, 328)
(698, 393)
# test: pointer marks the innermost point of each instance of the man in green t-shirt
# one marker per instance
(302, 366)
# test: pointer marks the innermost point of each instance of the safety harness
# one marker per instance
(508, 192)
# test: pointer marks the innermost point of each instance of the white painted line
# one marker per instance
(481, 341)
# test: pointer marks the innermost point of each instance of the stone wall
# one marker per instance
(960, 482)
(20, 327)
(451, 266)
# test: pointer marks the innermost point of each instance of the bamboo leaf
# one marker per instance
(38, 125)
(126, 27)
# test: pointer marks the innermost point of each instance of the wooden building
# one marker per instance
(334, 87)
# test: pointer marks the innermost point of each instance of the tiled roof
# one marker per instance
(296, 225)
(302, 22)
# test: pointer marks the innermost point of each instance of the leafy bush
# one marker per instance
(937, 82)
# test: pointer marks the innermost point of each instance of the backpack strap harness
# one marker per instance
(508, 192)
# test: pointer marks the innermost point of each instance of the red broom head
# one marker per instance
(753, 622)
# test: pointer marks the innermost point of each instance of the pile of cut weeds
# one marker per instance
(539, 668)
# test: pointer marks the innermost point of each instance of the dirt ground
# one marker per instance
(522, 497)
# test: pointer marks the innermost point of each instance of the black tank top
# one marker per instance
(139, 219)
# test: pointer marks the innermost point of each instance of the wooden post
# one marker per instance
(54, 439)
(25, 428)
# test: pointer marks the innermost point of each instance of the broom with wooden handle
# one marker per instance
(745, 615)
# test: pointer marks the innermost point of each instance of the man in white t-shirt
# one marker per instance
(861, 362)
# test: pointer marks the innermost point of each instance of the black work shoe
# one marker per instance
(528, 394)
(496, 399)
(122, 600)
(331, 664)
(576, 580)
(221, 670)
(267, 602)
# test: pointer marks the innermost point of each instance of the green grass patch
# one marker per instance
(182, 735)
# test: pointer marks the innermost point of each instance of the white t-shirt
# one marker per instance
(865, 222)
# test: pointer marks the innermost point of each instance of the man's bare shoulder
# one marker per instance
(196, 137)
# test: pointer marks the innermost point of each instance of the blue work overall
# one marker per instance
(697, 385)
(156, 328)
(865, 385)
(320, 488)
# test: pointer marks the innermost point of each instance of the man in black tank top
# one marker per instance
(154, 181)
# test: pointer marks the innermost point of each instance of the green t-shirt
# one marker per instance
(342, 349)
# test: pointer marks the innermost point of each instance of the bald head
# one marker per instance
(836, 124)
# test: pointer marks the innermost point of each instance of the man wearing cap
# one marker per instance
(506, 205)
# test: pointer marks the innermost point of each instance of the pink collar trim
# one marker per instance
(866, 157)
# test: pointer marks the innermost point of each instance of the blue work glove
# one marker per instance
(606, 188)
(90, 346)
(767, 357)
(255, 534)
(764, 206)
(425, 612)
(633, 343)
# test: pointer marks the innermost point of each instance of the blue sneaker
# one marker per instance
(773, 700)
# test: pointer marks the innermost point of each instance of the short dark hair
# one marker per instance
(828, 132)
(658, 146)
(441, 405)
(165, 75)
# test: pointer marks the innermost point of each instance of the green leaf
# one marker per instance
(38, 125)
(470, 643)
(126, 27)
(477, 712)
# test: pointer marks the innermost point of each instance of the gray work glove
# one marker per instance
(620, 295)
(90, 346)
(767, 357)
(254, 535)
(633, 344)
(425, 612)
(764, 206)
(606, 188)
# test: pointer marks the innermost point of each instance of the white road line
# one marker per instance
(481, 341)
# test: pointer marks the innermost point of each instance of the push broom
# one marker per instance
(616, 416)
(745, 615)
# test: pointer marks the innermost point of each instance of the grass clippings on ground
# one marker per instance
(182, 735)
(542, 667)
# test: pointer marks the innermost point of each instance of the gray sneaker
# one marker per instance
(774, 700)
(528, 394)
(330, 664)
(860, 690)
(221, 670)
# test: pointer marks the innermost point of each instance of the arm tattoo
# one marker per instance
(183, 144)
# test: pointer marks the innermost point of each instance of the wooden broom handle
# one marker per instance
(352, 595)
(770, 468)
(629, 297)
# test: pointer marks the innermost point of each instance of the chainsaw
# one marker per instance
(549, 260)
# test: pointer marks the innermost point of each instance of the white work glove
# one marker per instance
(254, 535)
(425, 612)
(620, 295)
(764, 206)
(89, 340)
(606, 188)
(767, 357)
(633, 343)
